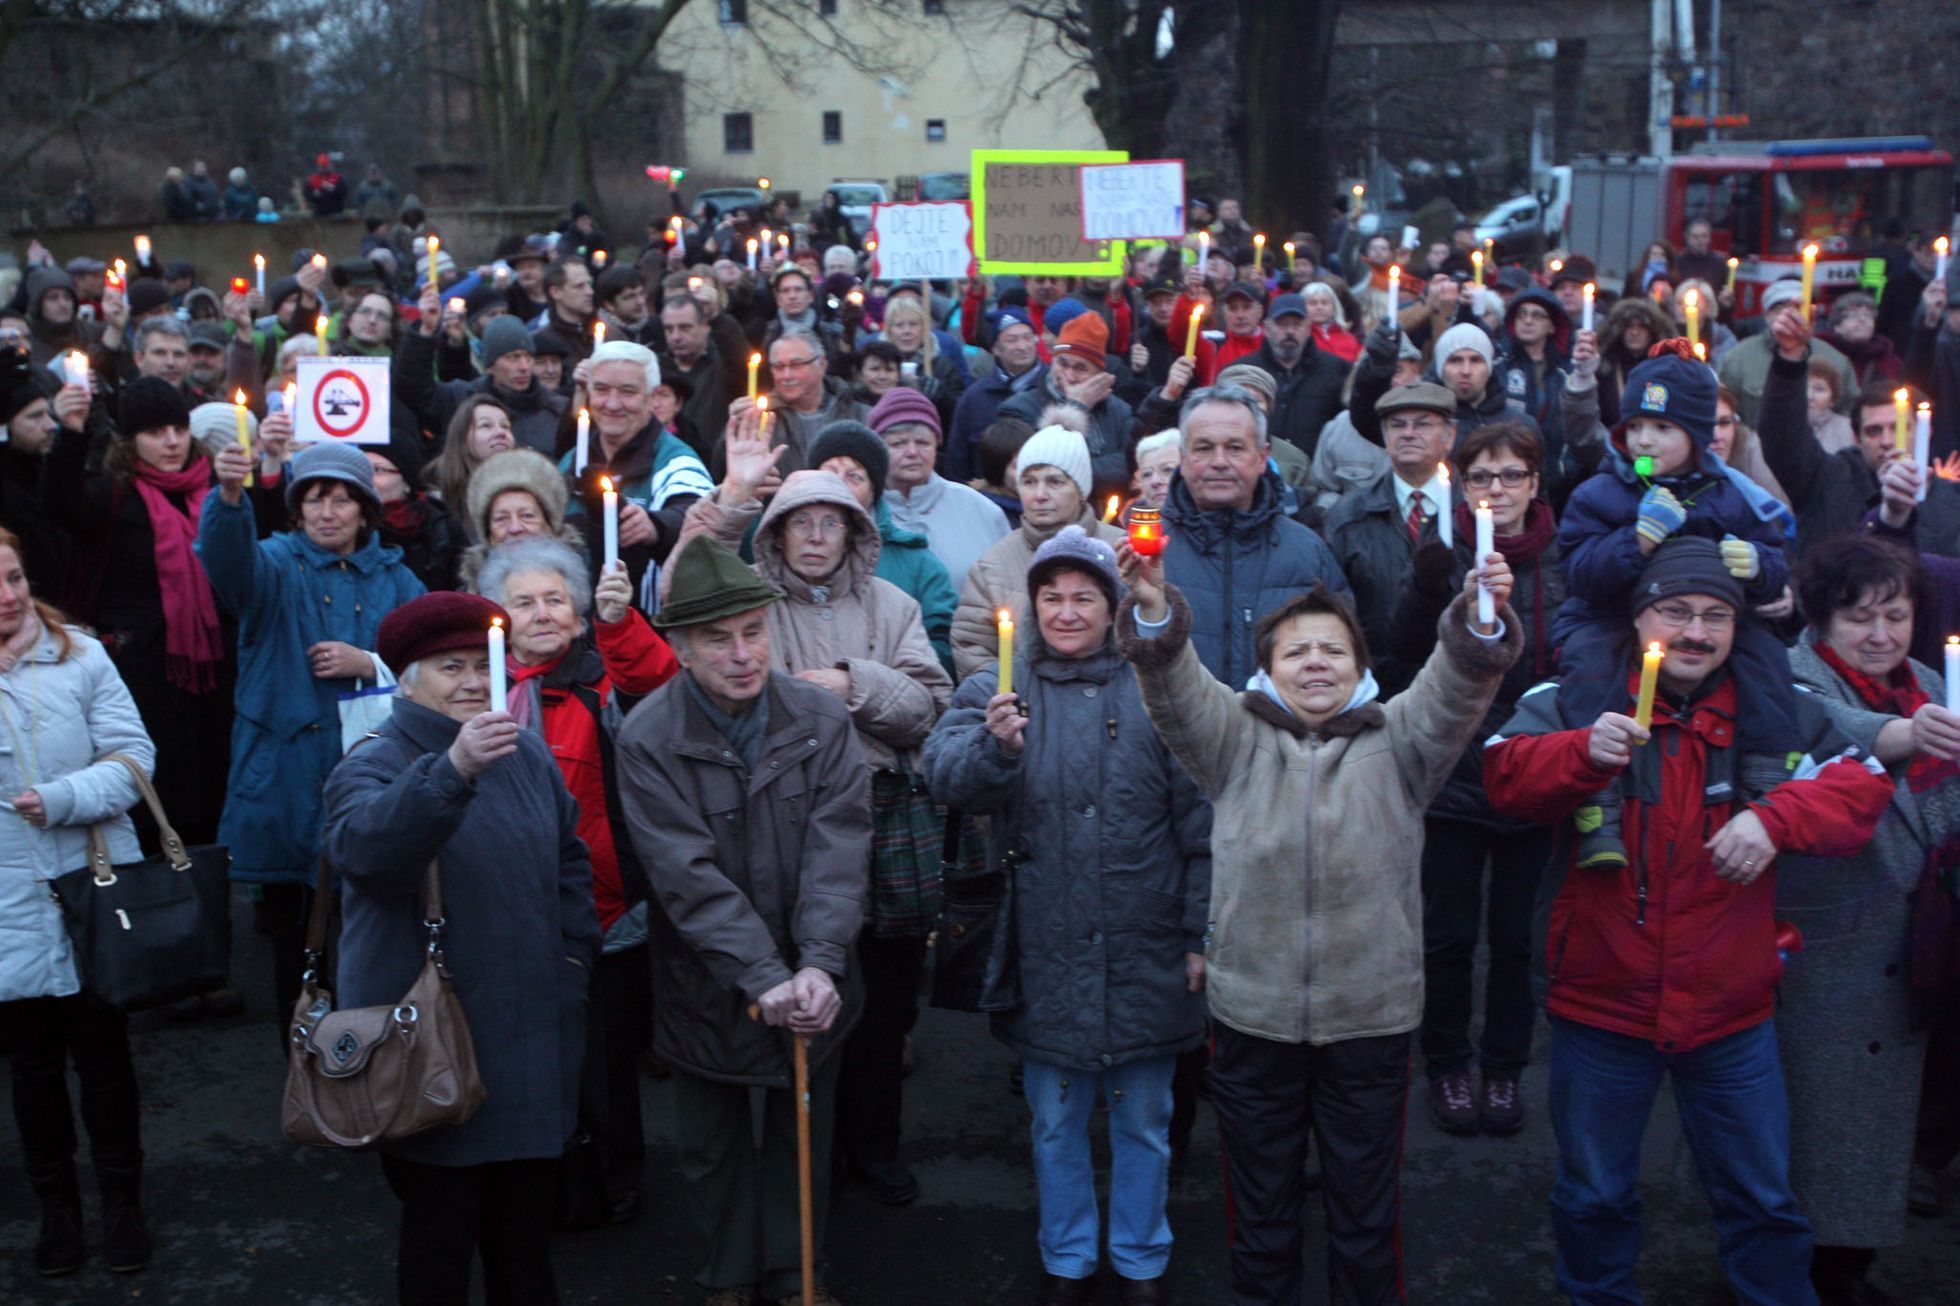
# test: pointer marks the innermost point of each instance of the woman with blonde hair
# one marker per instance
(908, 327)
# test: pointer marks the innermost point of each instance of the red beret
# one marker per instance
(436, 623)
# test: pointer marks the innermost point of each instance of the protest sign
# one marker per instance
(344, 399)
(1133, 201)
(1027, 213)
(920, 241)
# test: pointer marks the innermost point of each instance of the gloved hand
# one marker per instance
(1661, 514)
(1741, 558)
(1384, 343)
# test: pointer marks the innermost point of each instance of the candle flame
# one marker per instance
(1901, 397)
(497, 623)
(1925, 409)
(1701, 351)
(1395, 272)
(1591, 289)
(121, 267)
(1258, 237)
(1654, 647)
(238, 397)
(1197, 311)
(1483, 505)
(1810, 253)
(1692, 299)
(1941, 245)
(751, 244)
(1004, 617)
(755, 360)
(605, 485)
(1558, 265)
(585, 414)
(1735, 263)
(457, 306)
(258, 261)
(762, 404)
(435, 243)
(1953, 641)
(1109, 513)
(1443, 472)
(1477, 257)
(1359, 189)
(598, 333)
(1288, 247)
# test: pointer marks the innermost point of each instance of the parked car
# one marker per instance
(1516, 226)
(855, 198)
(725, 198)
(945, 185)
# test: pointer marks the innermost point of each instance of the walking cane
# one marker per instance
(806, 1210)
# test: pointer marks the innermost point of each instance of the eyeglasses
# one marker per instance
(804, 523)
(784, 364)
(1512, 477)
(1679, 616)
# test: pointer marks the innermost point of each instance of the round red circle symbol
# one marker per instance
(340, 403)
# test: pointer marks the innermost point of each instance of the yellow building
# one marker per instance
(805, 92)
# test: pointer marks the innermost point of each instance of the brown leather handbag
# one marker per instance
(360, 1077)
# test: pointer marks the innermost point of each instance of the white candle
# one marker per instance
(75, 363)
(1586, 313)
(612, 523)
(1486, 545)
(1953, 674)
(1394, 290)
(258, 267)
(1940, 247)
(499, 677)
(1445, 526)
(584, 454)
(1922, 448)
(751, 253)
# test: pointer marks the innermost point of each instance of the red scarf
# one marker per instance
(1898, 695)
(522, 699)
(1538, 529)
(192, 645)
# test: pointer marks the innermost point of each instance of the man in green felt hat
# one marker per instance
(750, 806)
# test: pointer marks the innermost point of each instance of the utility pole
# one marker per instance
(1660, 88)
(1714, 66)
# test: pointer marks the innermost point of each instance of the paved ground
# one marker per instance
(242, 1217)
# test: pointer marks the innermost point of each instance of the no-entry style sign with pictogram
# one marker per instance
(343, 399)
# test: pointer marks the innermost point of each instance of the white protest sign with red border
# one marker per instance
(930, 240)
(343, 399)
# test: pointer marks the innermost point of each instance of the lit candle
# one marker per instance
(768, 238)
(1446, 515)
(1953, 673)
(598, 333)
(258, 269)
(142, 251)
(1477, 266)
(762, 406)
(1204, 249)
(762, 183)
(1691, 305)
(783, 241)
(1109, 513)
(1486, 545)
(610, 497)
(1650, 674)
(1558, 266)
(244, 426)
(1259, 249)
(1354, 205)
(1394, 289)
(1809, 276)
(1292, 257)
(1586, 313)
(458, 306)
(289, 392)
(1006, 651)
(1940, 247)
(1701, 351)
(319, 262)
(320, 330)
(584, 454)
(1490, 251)
(1734, 263)
(1901, 413)
(75, 363)
(755, 369)
(674, 230)
(435, 248)
(499, 674)
(119, 275)
(1146, 532)
(751, 253)
(599, 259)
(1191, 335)
(1922, 448)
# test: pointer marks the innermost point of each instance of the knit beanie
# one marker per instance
(1784, 290)
(1074, 549)
(504, 335)
(1061, 313)
(903, 404)
(149, 404)
(481, 299)
(279, 292)
(1464, 335)
(1057, 446)
(146, 295)
(328, 461)
(1085, 337)
(858, 442)
(215, 426)
(1674, 389)
(1686, 564)
(428, 624)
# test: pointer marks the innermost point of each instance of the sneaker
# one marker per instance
(1501, 1109)
(1451, 1103)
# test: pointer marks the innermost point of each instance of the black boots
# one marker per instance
(125, 1238)
(61, 1249)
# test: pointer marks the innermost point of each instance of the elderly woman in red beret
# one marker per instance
(450, 780)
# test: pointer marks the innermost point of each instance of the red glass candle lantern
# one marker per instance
(1146, 532)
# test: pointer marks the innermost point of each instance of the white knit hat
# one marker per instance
(1057, 446)
(1464, 335)
(215, 425)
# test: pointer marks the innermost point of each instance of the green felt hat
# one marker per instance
(710, 582)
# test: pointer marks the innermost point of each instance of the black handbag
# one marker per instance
(149, 932)
(974, 962)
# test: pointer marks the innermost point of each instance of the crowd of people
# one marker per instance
(1236, 683)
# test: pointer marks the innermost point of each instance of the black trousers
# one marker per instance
(1937, 1140)
(619, 1027)
(871, 1078)
(1350, 1096)
(452, 1214)
(1454, 905)
(39, 1037)
(280, 915)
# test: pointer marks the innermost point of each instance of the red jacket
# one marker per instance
(1664, 950)
(631, 659)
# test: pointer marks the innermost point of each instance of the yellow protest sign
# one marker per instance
(1027, 214)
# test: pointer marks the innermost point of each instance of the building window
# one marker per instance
(833, 127)
(735, 12)
(737, 133)
(827, 8)
(936, 130)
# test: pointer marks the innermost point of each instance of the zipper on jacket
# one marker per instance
(1229, 651)
(1640, 880)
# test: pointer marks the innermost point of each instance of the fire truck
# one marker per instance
(1766, 200)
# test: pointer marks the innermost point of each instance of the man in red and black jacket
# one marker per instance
(1670, 964)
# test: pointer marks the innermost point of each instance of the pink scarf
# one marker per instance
(191, 641)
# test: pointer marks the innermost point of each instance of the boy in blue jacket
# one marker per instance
(1661, 479)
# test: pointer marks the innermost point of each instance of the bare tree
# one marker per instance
(1136, 52)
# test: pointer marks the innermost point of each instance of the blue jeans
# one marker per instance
(1737, 1122)
(1139, 1166)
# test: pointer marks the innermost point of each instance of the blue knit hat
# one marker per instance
(331, 462)
(1061, 313)
(1074, 549)
(1673, 389)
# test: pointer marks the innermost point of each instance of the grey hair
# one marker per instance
(1150, 444)
(1227, 395)
(1321, 290)
(536, 553)
(625, 351)
(295, 348)
(160, 326)
(406, 680)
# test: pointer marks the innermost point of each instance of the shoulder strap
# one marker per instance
(173, 847)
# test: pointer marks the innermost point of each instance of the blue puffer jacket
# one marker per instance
(1235, 567)
(1112, 876)
(288, 595)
